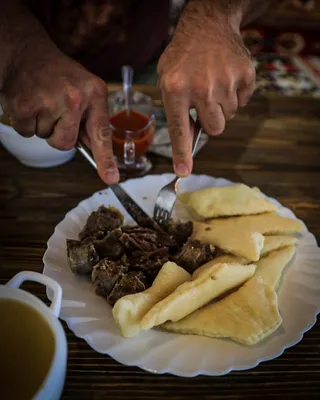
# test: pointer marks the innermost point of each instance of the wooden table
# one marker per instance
(274, 144)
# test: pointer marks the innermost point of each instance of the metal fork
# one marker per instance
(167, 196)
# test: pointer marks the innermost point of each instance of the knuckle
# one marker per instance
(70, 128)
(98, 87)
(174, 129)
(173, 83)
(108, 162)
(75, 99)
(24, 109)
(103, 130)
(249, 76)
(179, 153)
(203, 94)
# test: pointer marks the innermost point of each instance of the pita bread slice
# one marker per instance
(223, 201)
(247, 316)
(270, 267)
(239, 242)
(129, 310)
(190, 296)
(224, 259)
(272, 243)
(267, 224)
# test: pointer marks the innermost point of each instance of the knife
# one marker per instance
(136, 212)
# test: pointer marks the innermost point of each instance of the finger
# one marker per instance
(180, 132)
(98, 130)
(244, 96)
(65, 132)
(84, 136)
(211, 117)
(246, 89)
(25, 127)
(46, 122)
(230, 106)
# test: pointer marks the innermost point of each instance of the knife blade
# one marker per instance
(132, 208)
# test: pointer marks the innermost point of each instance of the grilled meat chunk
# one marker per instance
(102, 221)
(194, 254)
(81, 257)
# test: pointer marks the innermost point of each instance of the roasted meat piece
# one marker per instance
(102, 221)
(180, 231)
(112, 280)
(105, 274)
(145, 239)
(81, 256)
(194, 254)
(130, 283)
(110, 246)
(150, 263)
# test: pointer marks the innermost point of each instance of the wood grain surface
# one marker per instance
(274, 144)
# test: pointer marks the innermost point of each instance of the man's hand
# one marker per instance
(55, 98)
(207, 67)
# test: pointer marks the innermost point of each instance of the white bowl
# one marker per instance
(32, 152)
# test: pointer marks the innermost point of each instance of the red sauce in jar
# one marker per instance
(141, 126)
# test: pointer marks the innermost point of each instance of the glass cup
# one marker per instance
(132, 132)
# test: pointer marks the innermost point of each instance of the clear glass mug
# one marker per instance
(131, 133)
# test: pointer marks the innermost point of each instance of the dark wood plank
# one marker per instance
(272, 144)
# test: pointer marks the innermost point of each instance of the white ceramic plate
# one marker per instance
(90, 317)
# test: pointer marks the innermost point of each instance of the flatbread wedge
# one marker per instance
(224, 259)
(271, 243)
(247, 316)
(224, 201)
(129, 310)
(239, 242)
(192, 295)
(277, 242)
(266, 223)
(270, 267)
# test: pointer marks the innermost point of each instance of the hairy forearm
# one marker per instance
(20, 31)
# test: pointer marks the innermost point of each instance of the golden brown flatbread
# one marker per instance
(276, 242)
(224, 201)
(247, 316)
(129, 310)
(271, 243)
(267, 224)
(239, 242)
(224, 259)
(190, 296)
(270, 267)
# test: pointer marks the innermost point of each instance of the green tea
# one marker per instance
(26, 350)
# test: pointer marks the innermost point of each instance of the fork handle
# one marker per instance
(197, 134)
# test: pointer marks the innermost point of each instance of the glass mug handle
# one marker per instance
(129, 150)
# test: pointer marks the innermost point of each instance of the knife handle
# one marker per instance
(86, 152)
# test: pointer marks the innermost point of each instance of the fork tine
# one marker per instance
(160, 215)
(164, 217)
(156, 212)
